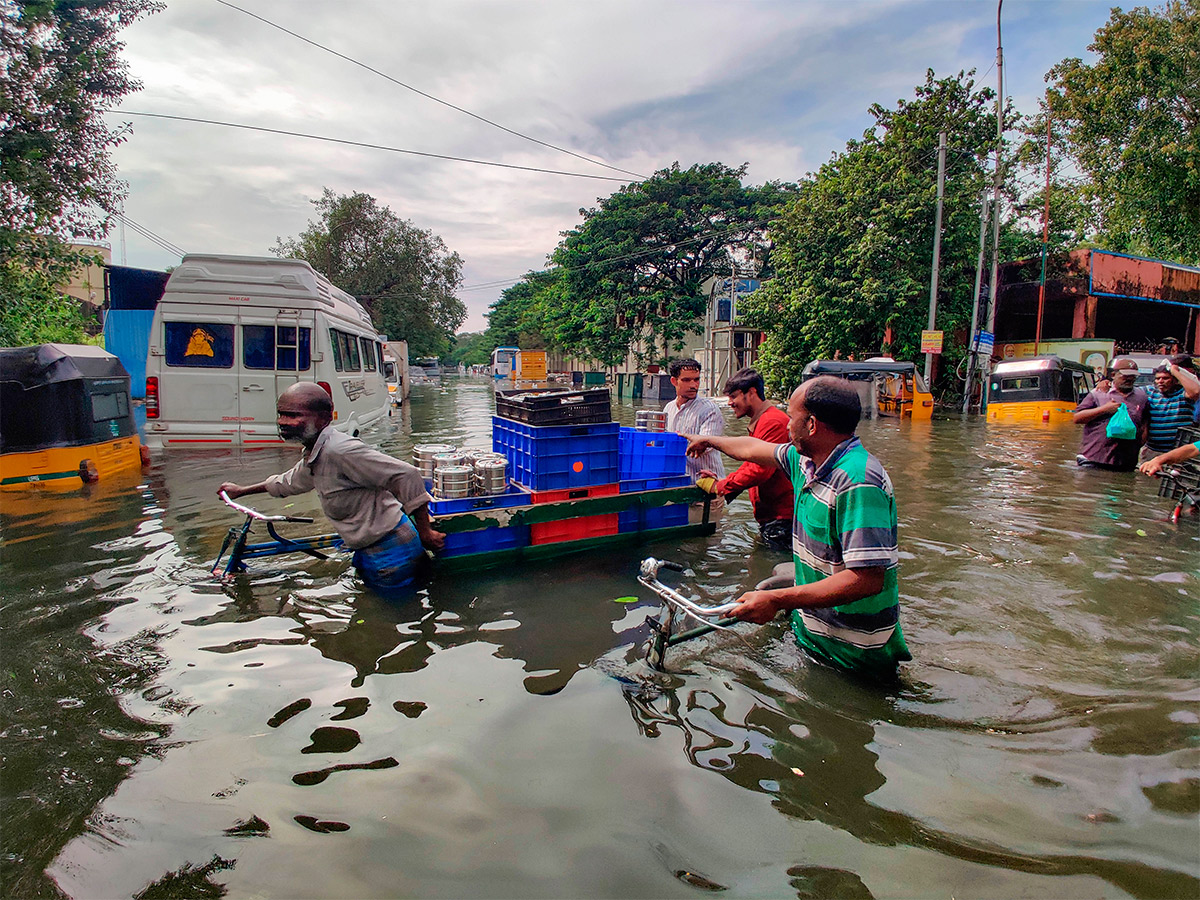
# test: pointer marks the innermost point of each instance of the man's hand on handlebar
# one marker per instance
(233, 490)
(758, 607)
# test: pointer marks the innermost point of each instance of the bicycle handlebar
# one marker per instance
(262, 517)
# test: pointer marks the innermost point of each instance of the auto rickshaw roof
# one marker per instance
(1039, 363)
(847, 368)
(44, 364)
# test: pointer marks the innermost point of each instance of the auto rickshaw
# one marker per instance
(889, 388)
(1043, 389)
(65, 417)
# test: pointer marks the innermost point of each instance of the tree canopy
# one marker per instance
(62, 67)
(405, 276)
(853, 251)
(1131, 123)
(629, 278)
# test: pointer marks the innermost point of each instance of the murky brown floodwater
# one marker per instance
(498, 736)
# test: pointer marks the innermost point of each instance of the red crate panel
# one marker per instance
(573, 529)
(580, 493)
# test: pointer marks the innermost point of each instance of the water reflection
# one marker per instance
(291, 733)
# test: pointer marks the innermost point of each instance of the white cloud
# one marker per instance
(640, 84)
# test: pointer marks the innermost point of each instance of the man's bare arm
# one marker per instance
(844, 587)
(743, 448)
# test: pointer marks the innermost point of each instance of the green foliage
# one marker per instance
(61, 69)
(34, 310)
(1131, 122)
(470, 349)
(853, 251)
(406, 277)
(517, 319)
(631, 274)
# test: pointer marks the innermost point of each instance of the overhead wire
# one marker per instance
(409, 87)
(363, 144)
(150, 235)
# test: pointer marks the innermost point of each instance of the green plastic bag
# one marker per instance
(1120, 426)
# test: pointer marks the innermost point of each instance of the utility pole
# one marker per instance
(997, 181)
(973, 350)
(1037, 340)
(937, 250)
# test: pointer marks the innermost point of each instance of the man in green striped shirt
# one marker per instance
(844, 604)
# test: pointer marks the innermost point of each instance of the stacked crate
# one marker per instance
(561, 446)
(652, 460)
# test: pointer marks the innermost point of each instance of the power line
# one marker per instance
(332, 140)
(150, 235)
(409, 87)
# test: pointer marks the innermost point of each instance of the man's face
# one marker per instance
(739, 402)
(1165, 382)
(800, 423)
(1124, 375)
(296, 423)
(687, 384)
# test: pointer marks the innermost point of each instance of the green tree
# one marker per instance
(470, 349)
(518, 319)
(405, 276)
(1131, 123)
(853, 251)
(62, 67)
(633, 271)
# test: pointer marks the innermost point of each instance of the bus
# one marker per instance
(503, 360)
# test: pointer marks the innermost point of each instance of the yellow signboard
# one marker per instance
(931, 342)
(532, 365)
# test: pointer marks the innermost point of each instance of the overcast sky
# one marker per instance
(638, 85)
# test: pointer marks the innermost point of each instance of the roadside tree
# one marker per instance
(405, 276)
(1131, 123)
(853, 250)
(61, 69)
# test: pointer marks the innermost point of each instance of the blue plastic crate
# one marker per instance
(554, 457)
(647, 454)
(632, 485)
(513, 496)
(638, 519)
(485, 540)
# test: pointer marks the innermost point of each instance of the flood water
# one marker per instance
(293, 735)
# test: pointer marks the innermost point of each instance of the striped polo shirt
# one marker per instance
(1168, 413)
(845, 517)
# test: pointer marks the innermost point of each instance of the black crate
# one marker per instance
(1188, 480)
(589, 406)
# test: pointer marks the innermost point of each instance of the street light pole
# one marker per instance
(937, 249)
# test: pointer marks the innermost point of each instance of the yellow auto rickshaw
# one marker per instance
(895, 389)
(1038, 389)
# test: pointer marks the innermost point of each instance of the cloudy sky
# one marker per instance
(637, 85)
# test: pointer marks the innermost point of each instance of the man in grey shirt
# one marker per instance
(366, 494)
(692, 414)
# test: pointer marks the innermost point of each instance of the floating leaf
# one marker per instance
(625, 600)
(1141, 532)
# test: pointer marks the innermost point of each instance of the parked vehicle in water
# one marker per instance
(391, 377)
(65, 416)
(232, 332)
(503, 361)
(1037, 389)
(890, 388)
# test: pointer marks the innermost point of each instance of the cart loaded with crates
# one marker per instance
(1181, 481)
(561, 477)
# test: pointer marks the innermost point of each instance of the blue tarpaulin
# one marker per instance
(131, 297)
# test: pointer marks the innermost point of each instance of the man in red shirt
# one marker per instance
(771, 493)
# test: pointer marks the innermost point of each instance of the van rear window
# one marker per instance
(283, 347)
(204, 345)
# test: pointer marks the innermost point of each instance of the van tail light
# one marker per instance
(326, 387)
(152, 397)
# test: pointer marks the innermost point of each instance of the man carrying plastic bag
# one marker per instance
(1114, 421)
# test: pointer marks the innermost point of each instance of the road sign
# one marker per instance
(985, 342)
(931, 342)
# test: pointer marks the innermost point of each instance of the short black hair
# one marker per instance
(678, 365)
(743, 380)
(833, 402)
(1160, 369)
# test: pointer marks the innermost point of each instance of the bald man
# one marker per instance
(844, 600)
(378, 504)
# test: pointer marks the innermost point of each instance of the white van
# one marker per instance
(231, 332)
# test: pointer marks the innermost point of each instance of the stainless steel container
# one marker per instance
(650, 420)
(452, 482)
(423, 455)
(444, 460)
(491, 476)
